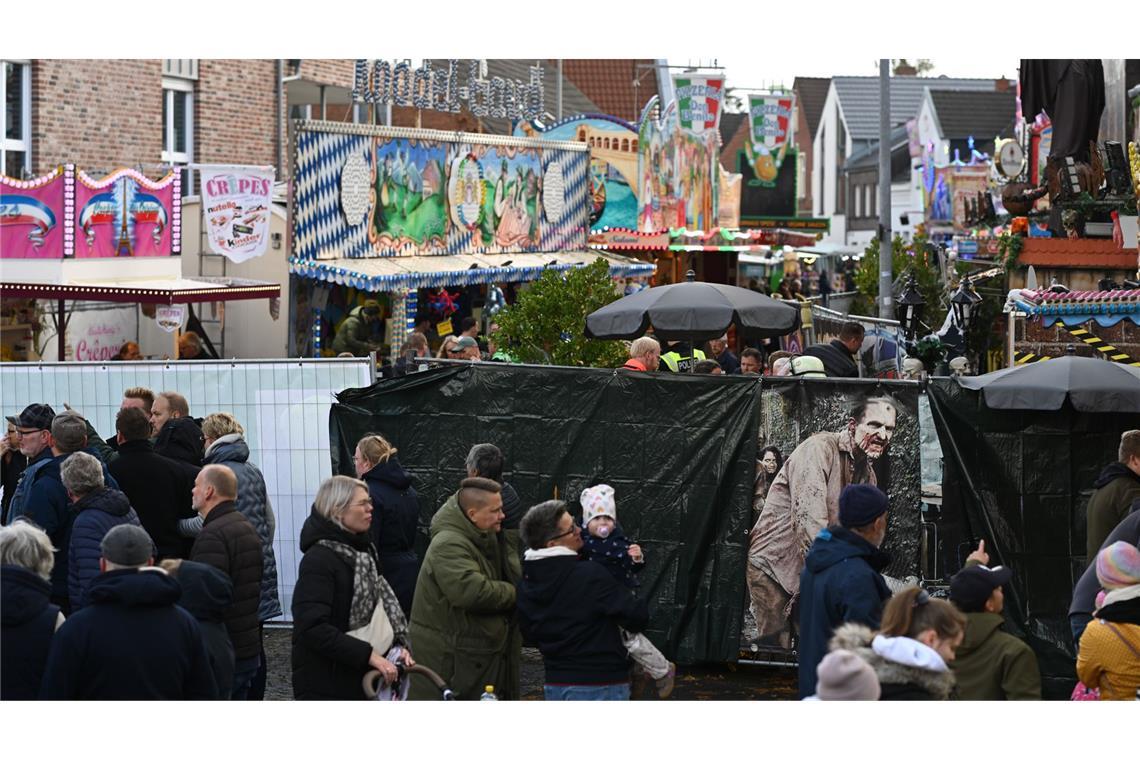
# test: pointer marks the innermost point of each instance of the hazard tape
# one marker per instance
(1110, 352)
(1028, 357)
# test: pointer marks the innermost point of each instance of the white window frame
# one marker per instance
(858, 211)
(25, 144)
(171, 85)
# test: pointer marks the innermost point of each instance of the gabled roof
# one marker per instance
(812, 94)
(869, 156)
(981, 115)
(730, 124)
(859, 99)
(609, 82)
(733, 133)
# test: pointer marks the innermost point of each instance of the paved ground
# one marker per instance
(719, 682)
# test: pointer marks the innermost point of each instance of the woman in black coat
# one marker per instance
(332, 602)
(29, 618)
(395, 512)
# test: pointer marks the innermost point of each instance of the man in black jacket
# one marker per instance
(229, 542)
(571, 610)
(839, 356)
(132, 641)
(157, 487)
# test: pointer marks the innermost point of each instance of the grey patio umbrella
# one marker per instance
(693, 311)
(1092, 385)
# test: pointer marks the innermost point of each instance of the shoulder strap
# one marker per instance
(1120, 636)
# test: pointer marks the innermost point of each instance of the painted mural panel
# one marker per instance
(69, 213)
(511, 207)
(613, 164)
(126, 214)
(32, 217)
(362, 192)
(677, 174)
(409, 209)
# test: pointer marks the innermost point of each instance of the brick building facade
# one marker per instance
(110, 113)
(106, 114)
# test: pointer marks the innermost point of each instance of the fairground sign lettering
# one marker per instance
(441, 87)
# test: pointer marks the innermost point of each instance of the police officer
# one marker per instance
(354, 332)
(680, 357)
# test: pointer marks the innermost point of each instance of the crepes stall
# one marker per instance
(69, 237)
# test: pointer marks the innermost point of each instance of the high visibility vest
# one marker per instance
(677, 363)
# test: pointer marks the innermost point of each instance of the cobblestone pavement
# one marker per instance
(716, 682)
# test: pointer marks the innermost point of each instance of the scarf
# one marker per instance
(548, 552)
(369, 589)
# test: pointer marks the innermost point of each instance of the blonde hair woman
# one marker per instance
(346, 618)
(444, 347)
(226, 445)
(395, 513)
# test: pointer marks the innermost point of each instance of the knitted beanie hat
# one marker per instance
(844, 675)
(598, 502)
(1118, 566)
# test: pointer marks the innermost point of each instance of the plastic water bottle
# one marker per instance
(488, 694)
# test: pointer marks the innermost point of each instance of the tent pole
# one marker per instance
(61, 329)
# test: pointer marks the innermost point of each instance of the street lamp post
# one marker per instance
(964, 303)
(910, 306)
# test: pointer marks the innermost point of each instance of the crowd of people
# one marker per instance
(837, 358)
(912, 646)
(136, 567)
(142, 567)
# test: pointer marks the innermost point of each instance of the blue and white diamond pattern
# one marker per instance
(570, 231)
(320, 229)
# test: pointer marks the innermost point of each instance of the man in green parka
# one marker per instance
(990, 664)
(353, 334)
(463, 614)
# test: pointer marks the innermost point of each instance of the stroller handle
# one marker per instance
(372, 678)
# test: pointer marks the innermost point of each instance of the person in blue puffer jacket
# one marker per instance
(96, 510)
(395, 513)
(226, 445)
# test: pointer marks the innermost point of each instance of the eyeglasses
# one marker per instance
(22, 433)
(573, 529)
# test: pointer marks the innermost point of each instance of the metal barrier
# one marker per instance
(283, 404)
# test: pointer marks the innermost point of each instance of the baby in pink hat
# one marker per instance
(604, 542)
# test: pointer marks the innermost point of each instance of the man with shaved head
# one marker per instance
(229, 542)
(463, 623)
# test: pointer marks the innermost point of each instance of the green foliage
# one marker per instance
(914, 256)
(546, 325)
(930, 351)
(922, 66)
(1009, 248)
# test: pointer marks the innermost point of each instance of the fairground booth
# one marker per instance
(91, 263)
(434, 225)
(659, 192)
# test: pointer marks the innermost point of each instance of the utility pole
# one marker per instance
(559, 89)
(886, 250)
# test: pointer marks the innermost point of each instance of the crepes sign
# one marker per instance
(236, 202)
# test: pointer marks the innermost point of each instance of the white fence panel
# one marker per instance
(282, 404)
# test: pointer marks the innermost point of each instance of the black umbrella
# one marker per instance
(1092, 385)
(693, 311)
